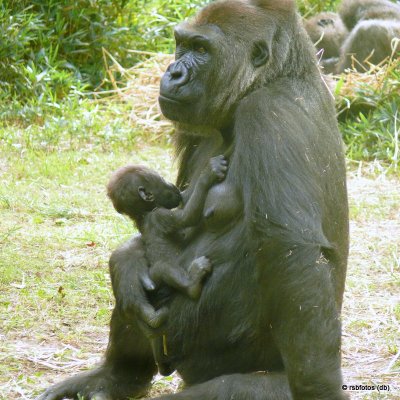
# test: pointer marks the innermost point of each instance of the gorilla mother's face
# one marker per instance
(215, 64)
(186, 89)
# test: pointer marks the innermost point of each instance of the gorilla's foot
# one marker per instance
(98, 384)
(198, 269)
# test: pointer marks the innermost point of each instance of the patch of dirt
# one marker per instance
(370, 315)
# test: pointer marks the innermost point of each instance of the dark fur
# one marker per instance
(328, 32)
(148, 200)
(251, 86)
(373, 25)
(159, 225)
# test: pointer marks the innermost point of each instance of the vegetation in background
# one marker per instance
(375, 136)
(153, 25)
(311, 7)
(58, 146)
(368, 107)
(52, 49)
(52, 59)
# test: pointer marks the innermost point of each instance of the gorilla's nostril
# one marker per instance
(179, 74)
(176, 74)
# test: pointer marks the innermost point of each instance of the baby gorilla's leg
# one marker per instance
(173, 275)
(189, 282)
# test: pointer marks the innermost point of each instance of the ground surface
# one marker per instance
(56, 233)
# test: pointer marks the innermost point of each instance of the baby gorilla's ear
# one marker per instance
(145, 195)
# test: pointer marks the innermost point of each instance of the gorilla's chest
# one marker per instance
(223, 206)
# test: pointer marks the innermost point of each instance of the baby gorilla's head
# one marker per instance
(135, 190)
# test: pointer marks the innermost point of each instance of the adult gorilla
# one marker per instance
(244, 82)
(328, 32)
(374, 25)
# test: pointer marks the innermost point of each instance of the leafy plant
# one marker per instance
(54, 47)
(369, 105)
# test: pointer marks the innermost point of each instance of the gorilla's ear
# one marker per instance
(260, 53)
(145, 195)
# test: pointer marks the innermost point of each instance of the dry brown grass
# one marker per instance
(359, 90)
(139, 86)
(378, 78)
(371, 314)
(44, 345)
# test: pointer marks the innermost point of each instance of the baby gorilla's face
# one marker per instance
(167, 195)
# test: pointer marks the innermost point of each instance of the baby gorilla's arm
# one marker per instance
(162, 221)
(191, 213)
(162, 225)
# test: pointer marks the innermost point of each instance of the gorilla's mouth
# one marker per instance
(168, 99)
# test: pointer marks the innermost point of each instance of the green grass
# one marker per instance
(371, 130)
(58, 229)
(53, 51)
(57, 232)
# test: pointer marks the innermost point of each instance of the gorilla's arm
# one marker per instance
(130, 278)
(170, 221)
(286, 185)
(299, 260)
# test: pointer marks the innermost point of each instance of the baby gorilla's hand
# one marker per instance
(130, 280)
(218, 167)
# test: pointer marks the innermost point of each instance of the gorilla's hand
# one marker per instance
(130, 280)
(216, 169)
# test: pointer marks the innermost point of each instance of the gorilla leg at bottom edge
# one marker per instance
(256, 386)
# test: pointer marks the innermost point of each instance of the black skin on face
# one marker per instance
(180, 93)
(272, 302)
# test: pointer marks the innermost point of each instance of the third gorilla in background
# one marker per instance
(328, 32)
(373, 24)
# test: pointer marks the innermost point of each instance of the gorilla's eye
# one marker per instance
(199, 48)
(325, 22)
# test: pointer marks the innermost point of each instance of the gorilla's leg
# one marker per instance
(309, 335)
(257, 386)
(306, 328)
(126, 371)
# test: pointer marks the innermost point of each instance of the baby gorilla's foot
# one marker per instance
(198, 269)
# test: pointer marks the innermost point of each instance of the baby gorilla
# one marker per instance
(151, 203)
